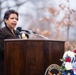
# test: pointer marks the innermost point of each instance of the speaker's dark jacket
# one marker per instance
(5, 33)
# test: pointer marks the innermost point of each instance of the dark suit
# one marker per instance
(5, 33)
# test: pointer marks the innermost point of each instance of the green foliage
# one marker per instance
(62, 68)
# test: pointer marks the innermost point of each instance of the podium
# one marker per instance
(31, 57)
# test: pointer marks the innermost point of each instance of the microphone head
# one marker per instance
(19, 28)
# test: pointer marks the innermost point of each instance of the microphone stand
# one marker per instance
(41, 36)
(31, 33)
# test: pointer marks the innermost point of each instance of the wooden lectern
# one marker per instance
(31, 57)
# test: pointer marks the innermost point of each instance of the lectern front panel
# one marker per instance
(31, 57)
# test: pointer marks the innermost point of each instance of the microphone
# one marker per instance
(20, 29)
(30, 32)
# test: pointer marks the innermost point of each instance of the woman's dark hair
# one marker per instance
(9, 12)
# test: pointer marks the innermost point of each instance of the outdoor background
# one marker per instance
(55, 19)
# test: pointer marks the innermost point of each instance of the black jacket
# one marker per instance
(5, 33)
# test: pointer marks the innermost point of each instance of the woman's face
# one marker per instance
(11, 22)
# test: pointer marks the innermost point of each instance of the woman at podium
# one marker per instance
(7, 32)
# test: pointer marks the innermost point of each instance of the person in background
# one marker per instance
(7, 32)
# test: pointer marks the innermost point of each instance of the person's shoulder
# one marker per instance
(2, 29)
